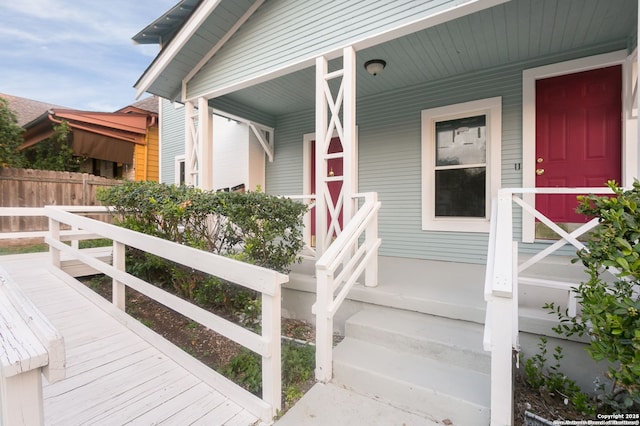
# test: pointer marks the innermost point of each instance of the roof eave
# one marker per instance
(167, 54)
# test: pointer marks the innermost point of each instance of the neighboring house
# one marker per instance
(434, 105)
(120, 144)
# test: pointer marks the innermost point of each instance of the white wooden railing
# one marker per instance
(354, 251)
(501, 285)
(265, 281)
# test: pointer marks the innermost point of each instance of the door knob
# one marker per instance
(539, 171)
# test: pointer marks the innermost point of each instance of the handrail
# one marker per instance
(331, 258)
(267, 282)
(348, 257)
(66, 235)
(501, 285)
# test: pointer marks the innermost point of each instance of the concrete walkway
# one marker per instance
(329, 404)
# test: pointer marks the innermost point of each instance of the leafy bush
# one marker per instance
(54, 153)
(10, 137)
(246, 370)
(252, 227)
(610, 310)
(298, 364)
(549, 379)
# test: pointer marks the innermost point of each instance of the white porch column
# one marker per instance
(190, 144)
(205, 144)
(321, 150)
(329, 119)
(349, 147)
(198, 144)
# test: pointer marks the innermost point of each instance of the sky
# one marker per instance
(76, 53)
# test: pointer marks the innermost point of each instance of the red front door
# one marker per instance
(578, 136)
(334, 168)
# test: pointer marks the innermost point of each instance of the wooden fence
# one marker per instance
(38, 188)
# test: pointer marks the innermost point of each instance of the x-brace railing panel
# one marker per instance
(335, 115)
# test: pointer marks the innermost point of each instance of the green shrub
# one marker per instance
(610, 310)
(246, 370)
(298, 364)
(252, 227)
(543, 378)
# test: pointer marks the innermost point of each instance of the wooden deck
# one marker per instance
(113, 375)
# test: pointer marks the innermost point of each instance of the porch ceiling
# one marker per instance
(516, 31)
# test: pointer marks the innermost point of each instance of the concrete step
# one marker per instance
(414, 383)
(453, 341)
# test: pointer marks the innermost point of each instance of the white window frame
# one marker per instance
(177, 160)
(492, 109)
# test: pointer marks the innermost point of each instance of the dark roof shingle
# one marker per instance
(25, 109)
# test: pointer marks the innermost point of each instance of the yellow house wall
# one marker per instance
(146, 157)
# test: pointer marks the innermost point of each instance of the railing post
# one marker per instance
(501, 362)
(324, 327)
(118, 288)
(503, 275)
(502, 312)
(54, 232)
(371, 239)
(21, 399)
(75, 243)
(271, 363)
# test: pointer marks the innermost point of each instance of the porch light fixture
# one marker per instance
(375, 66)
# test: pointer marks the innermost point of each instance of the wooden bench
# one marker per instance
(29, 347)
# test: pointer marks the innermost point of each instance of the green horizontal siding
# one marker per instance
(283, 33)
(172, 139)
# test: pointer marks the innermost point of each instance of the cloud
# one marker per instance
(75, 54)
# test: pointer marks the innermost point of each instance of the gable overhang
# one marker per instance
(162, 77)
(193, 91)
(173, 48)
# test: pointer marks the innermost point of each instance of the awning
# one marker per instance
(102, 147)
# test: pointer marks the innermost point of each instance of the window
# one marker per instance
(460, 165)
(180, 170)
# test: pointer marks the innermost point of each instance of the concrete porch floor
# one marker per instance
(447, 289)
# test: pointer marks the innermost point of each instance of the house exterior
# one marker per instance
(120, 144)
(439, 55)
(146, 156)
(433, 105)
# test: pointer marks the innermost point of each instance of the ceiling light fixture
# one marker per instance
(375, 66)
